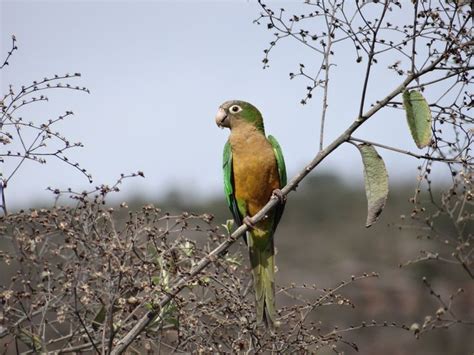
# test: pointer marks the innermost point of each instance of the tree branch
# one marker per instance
(291, 186)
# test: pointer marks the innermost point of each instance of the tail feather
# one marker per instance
(262, 259)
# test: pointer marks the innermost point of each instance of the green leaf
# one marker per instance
(30, 339)
(376, 182)
(187, 247)
(233, 259)
(228, 226)
(167, 315)
(99, 318)
(418, 117)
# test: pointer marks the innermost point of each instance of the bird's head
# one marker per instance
(234, 112)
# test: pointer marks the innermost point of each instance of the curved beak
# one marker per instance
(222, 119)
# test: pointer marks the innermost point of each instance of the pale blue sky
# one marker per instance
(157, 71)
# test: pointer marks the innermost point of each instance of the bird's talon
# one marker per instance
(279, 195)
(248, 222)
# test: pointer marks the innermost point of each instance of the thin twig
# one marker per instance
(371, 56)
(418, 156)
(413, 47)
(327, 66)
(10, 52)
(2, 192)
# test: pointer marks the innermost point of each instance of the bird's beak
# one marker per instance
(222, 120)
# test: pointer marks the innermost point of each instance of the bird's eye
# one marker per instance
(235, 109)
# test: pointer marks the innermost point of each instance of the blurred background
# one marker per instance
(158, 71)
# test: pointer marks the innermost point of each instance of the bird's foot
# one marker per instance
(279, 195)
(247, 221)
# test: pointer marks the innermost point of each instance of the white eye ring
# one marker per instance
(235, 109)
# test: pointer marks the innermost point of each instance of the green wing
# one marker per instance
(282, 174)
(280, 160)
(229, 184)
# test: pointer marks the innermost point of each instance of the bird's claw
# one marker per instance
(247, 221)
(279, 195)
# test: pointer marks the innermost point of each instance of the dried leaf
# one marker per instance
(418, 117)
(376, 182)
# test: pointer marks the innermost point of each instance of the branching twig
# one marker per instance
(10, 52)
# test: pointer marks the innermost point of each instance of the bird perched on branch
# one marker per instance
(254, 170)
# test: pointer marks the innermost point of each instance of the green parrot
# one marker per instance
(254, 170)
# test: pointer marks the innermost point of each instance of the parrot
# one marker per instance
(254, 171)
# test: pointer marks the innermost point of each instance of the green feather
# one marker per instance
(280, 160)
(282, 174)
(262, 260)
(229, 183)
(249, 113)
(227, 166)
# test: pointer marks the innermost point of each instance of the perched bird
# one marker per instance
(254, 170)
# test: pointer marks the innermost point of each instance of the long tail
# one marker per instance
(262, 259)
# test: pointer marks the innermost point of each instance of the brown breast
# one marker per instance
(254, 166)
